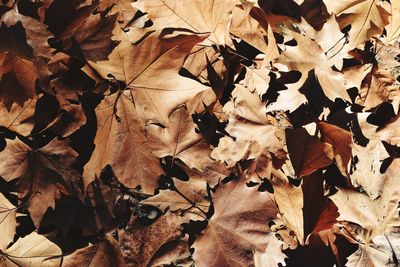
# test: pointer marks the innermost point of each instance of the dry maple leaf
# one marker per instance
(237, 228)
(289, 199)
(341, 141)
(179, 140)
(8, 223)
(19, 119)
(253, 28)
(382, 251)
(194, 108)
(121, 143)
(43, 173)
(308, 55)
(93, 36)
(334, 48)
(375, 216)
(366, 172)
(367, 19)
(150, 71)
(273, 255)
(393, 27)
(188, 197)
(104, 254)
(196, 15)
(211, 17)
(251, 132)
(173, 253)
(31, 250)
(307, 153)
(36, 32)
(141, 244)
(17, 79)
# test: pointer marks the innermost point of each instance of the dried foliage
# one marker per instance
(199, 133)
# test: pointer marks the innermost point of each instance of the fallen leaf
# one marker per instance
(235, 228)
(32, 250)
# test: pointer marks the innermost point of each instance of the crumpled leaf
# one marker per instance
(140, 243)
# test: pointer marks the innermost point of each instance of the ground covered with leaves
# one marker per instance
(199, 133)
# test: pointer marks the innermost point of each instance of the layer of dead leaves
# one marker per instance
(199, 133)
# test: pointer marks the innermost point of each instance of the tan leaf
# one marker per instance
(393, 28)
(179, 140)
(94, 36)
(378, 216)
(175, 252)
(192, 194)
(366, 171)
(308, 55)
(273, 255)
(250, 30)
(251, 141)
(32, 250)
(199, 16)
(332, 41)
(158, 58)
(104, 254)
(289, 199)
(19, 118)
(121, 142)
(367, 19)
(238, 227)
(381, 251)
(8, 223)
(36, 32)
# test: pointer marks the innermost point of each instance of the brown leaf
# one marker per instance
(236, 231)
(159, 56)
(141, 244)
(121, 142)
(341, 141)
(306, 152)
(360, 209)
(187, 197)
(17, 79)
(36, 32)
(198, 16)
(19, 118)
(104, 254)
(43, 173)
(367, 19)
(8, 223)
(308, 55)
(179, 140)
(32, 250)
(94, 36)
(289, 199)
